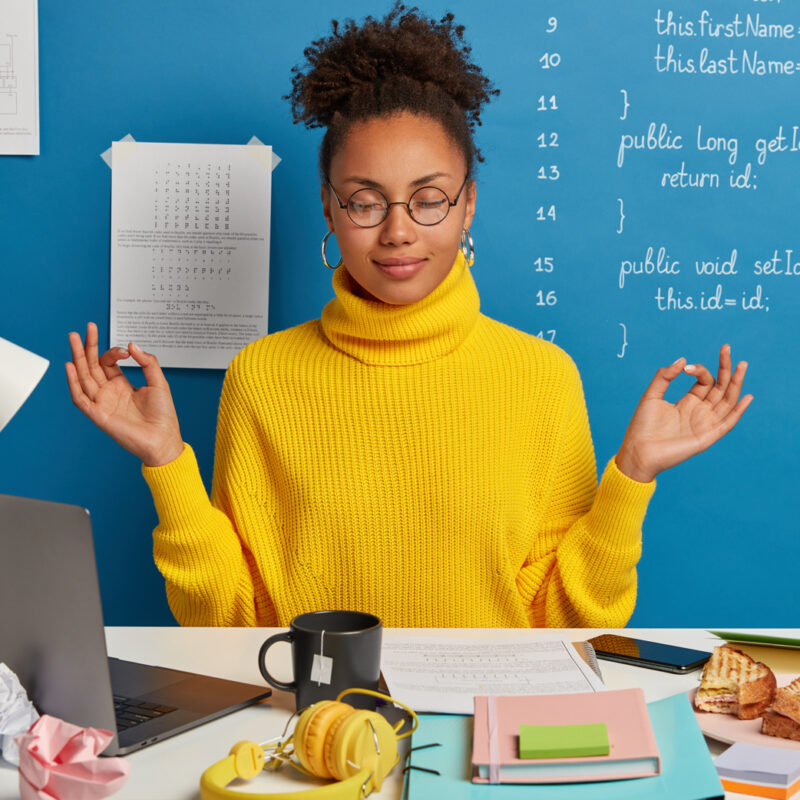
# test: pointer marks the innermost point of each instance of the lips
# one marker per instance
(400, 267)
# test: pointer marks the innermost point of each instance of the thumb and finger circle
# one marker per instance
(150, 366)
(662, 379)
(704, 381)
(706, 387)
(108, 361)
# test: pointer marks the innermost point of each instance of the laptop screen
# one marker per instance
(51, 624)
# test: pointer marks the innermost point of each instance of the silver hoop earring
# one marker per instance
(324, 258)
(467, 247)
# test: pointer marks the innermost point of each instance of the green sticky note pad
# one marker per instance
(563, 741)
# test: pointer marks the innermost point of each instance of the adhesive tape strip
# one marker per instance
(107, 155)
(263, 153)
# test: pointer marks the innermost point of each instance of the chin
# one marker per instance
(402, 295)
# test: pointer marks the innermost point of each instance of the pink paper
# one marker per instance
(59, 761)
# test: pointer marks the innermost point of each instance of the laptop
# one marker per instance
(52, 637)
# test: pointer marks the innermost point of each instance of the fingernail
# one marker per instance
(689, 368)
(677, 360)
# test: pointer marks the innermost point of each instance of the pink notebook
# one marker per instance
(633, 751)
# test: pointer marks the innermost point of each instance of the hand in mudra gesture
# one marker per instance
(143, 420)
(662, 434)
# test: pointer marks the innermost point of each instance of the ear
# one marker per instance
(471, 192)
(325, 196)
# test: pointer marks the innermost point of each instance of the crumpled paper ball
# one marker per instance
(17, 713)
(59, 761)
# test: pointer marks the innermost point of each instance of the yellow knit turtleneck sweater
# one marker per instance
(423, 463)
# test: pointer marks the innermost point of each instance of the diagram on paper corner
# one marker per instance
(19, 78)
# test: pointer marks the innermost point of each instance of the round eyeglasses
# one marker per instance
(429, 205)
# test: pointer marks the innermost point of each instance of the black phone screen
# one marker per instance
(642, 653)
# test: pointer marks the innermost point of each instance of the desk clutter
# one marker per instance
(583, 742)
(687, 771)
(651, 750)
(56, 760)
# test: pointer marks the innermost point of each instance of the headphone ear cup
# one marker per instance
(361, 740)
(335, 763)
(311, 733)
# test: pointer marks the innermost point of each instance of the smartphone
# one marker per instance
(652, 655)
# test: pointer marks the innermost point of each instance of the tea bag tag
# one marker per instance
(321, 669)
(321, 665)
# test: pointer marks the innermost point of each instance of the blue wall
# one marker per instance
(720, 544)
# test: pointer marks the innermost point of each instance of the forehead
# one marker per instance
(396, 150)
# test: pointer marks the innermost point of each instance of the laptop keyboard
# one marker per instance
(133, 712)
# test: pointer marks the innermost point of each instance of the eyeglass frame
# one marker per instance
(346, 206)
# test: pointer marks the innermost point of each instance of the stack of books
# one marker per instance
(562, 729)
(670, 753)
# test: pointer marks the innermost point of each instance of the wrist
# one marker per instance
(629, 465)
(164, 455)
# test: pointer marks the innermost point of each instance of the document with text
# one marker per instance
(189, 249)
(445, 674)
(19, 78)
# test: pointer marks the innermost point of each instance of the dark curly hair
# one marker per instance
(403, 62)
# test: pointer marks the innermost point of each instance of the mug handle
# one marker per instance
(287, 636)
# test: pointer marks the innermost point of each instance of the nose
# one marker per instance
(398, 228)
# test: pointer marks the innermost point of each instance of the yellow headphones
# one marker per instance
(357, 748)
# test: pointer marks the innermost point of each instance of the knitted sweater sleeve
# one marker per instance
(581, 570)
(196, 544)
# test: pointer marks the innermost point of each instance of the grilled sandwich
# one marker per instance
(733, 683)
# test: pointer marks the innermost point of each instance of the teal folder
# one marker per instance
(687, 771)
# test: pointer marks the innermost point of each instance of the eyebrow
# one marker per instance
(425, 179)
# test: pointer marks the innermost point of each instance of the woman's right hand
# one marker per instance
(143, 420)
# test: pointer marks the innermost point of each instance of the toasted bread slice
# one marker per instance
(778, 725)
(787, 700)
(783, 718)
(733, 683)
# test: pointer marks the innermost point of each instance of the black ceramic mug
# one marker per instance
(331, 651)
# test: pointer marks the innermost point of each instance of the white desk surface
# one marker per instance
(170, 770)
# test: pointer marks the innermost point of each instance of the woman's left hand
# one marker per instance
(661, 434)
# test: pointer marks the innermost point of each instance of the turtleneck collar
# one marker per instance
(387, 335)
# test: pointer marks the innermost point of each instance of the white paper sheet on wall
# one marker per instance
(19, 78)
(189, 249)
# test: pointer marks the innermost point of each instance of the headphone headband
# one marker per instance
(214, 781)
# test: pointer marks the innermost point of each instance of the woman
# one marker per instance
(403, 455)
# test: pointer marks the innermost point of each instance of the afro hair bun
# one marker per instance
(403, 62)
